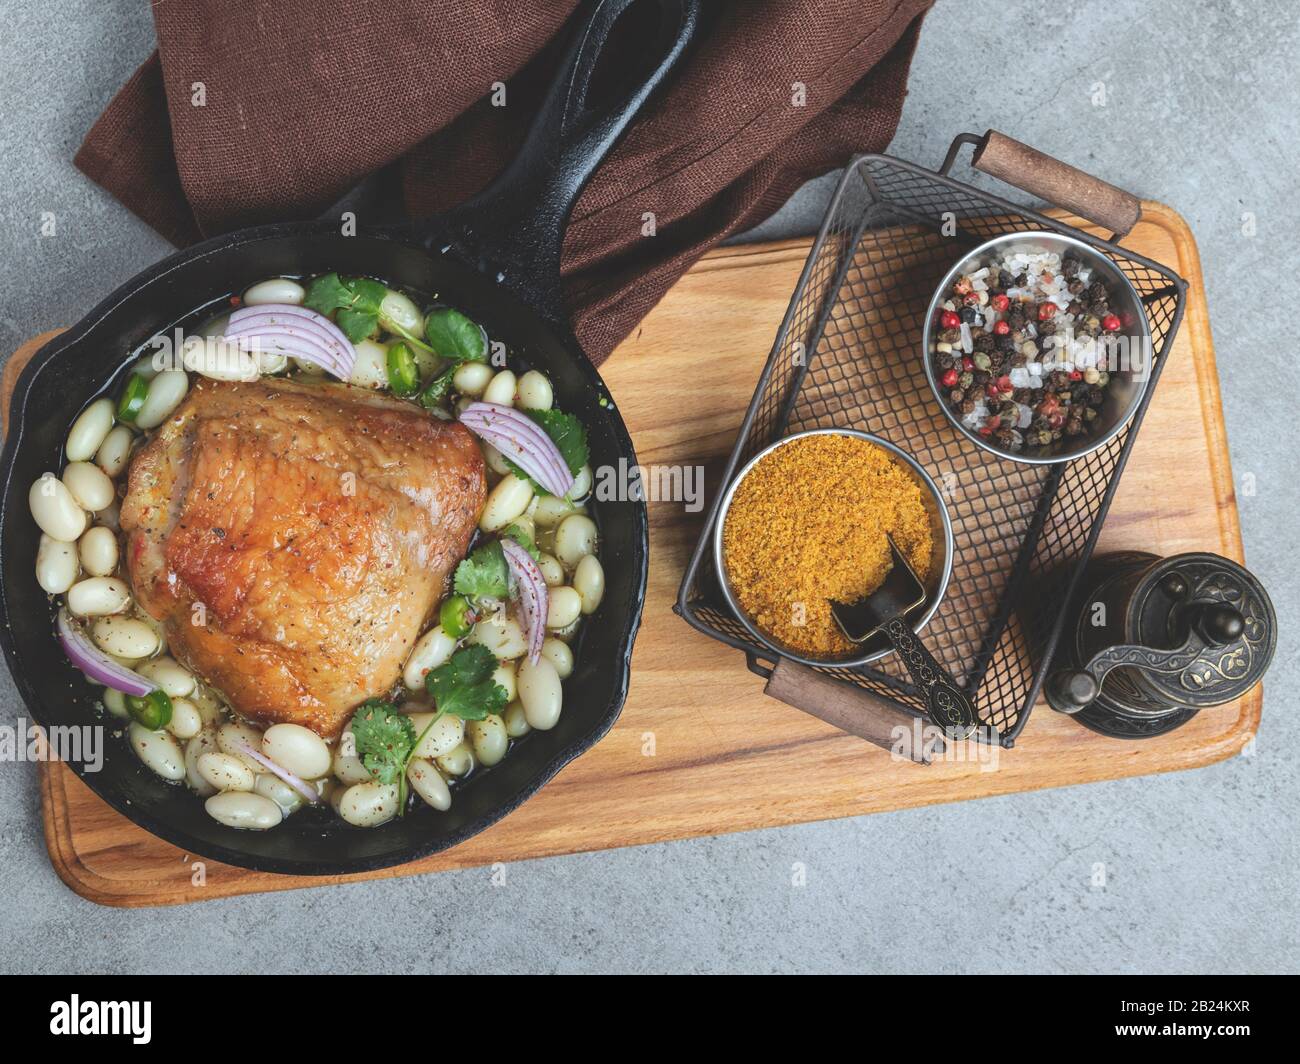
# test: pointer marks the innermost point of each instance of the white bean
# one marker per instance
(516, 720)
(249, 812)
(203, 743)
(279, 792)
(55, 510)
(428, 783)
(165, 394)
(508, 500)
(115, 702)
(89, 485)
(347, 767)
(98, 596)
(56, 565)
(501, 635)
(298, 749)
(535, 392)
(397, 313)
(445, 735)
(222, 360)
(460, 762)
(489, 739)
(368, 805)
(565, 607)
(567, 633)
(175, 680)
(275, 290)
(505, 676)
(589, 582)
(501, 389)
(186, 720)
(552, 570)
(551, 510)
(158, 750)
(124, 637)
(115, 451)
(226, 772)
(541, 693)
(97, 549)
(89, 430)
(581, 486)
(430, 650)
(371, 367)
(560, 656)
(575, 539)
(471, 378)
(232, 737)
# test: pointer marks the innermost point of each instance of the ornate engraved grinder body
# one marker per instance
(1151, 641)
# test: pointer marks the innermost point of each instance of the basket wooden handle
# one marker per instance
(851, 709)
(1056, 182)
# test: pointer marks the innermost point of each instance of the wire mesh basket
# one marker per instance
(848, 355)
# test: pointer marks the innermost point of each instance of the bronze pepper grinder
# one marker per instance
(1150, 641)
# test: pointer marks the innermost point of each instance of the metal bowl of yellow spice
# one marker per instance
(806, 522)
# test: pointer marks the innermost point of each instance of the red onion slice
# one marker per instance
(96, 664)
(524, 442)
(534, 595)
(296, 331)
(329, 338)
(329, 331)
(301, 786)
(272, 340)
(289, 339)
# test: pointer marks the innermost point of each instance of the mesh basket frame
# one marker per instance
(860, 299)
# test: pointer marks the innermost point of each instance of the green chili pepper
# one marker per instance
(133, 397)
(456, 617)
(436, 390)
(403, 373)
(152, 711)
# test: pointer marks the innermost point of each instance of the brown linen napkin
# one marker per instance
(268, 110)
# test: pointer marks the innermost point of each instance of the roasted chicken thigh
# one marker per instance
(294, 538)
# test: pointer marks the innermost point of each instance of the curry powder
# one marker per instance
(808, 524)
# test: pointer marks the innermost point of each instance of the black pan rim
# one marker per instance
(15, 424)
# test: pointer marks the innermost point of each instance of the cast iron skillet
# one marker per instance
(497, 259)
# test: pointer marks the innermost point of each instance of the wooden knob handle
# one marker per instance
(851, 709)
(1056, 182)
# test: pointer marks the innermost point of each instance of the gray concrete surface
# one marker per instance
(1202, 112)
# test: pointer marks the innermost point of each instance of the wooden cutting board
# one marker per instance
(699, 750)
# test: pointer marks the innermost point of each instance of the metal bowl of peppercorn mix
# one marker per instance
(806, 520)
(1037, 347)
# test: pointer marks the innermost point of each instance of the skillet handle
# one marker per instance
(514, 229)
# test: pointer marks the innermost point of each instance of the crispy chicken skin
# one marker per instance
(294, 538)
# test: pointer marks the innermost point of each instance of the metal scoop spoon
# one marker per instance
(885, 610)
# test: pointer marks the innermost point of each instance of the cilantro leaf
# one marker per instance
(455, 336)
(384, 739)
(523, 539)
(353, 301)
(484, 574)
(568, 435)
(463, 686)
(327, 293)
